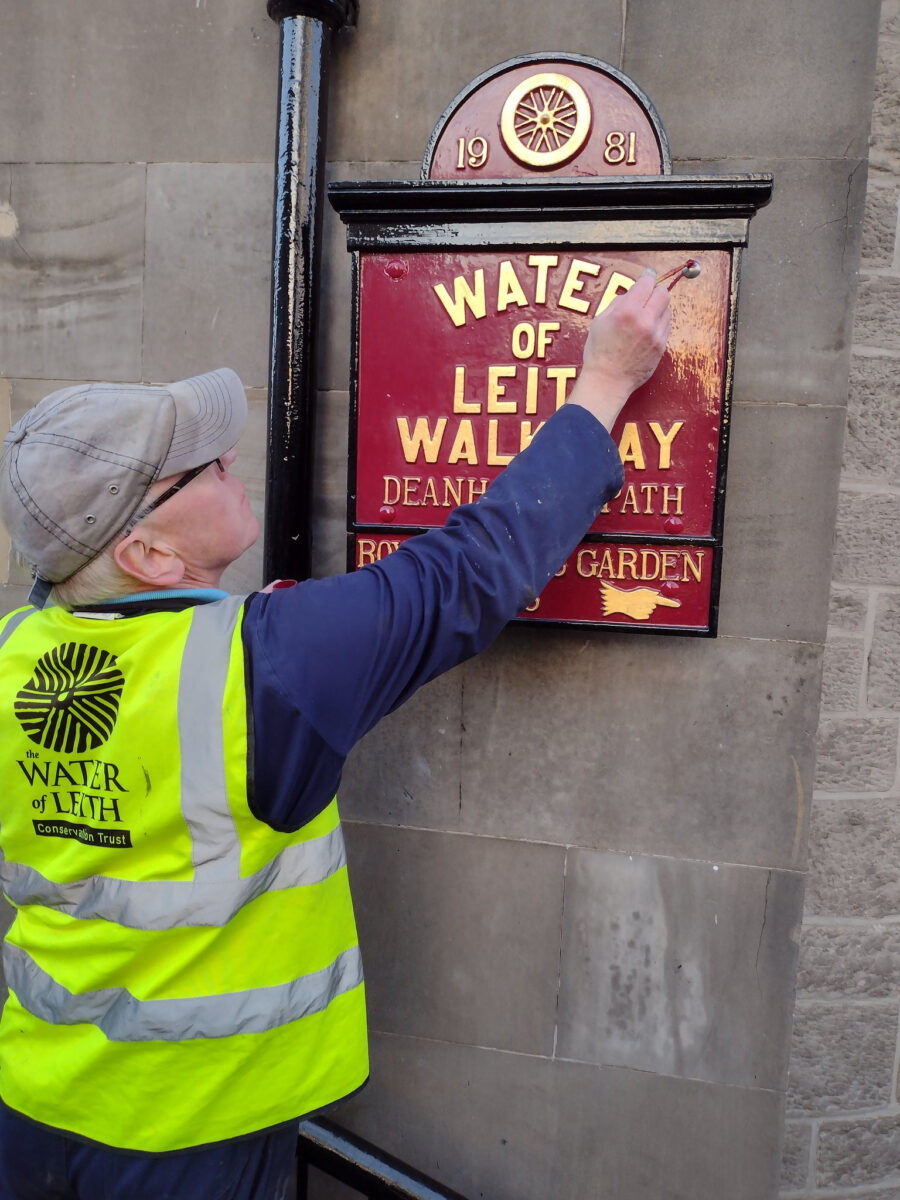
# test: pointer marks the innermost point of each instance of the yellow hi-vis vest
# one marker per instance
(179, 972)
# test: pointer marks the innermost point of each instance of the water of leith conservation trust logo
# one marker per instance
(70, 703)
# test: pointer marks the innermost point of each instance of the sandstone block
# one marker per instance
(884, 658)
(573, 739)
(842, 671)
(852, 864)
(885, 137)
(678, 967)
(101, 81)
(847, 609)
(877, 320)
(842, 1057)
(209, 262)
(795, 1157)
(778, 538)
(890, 1193)
(856, 754)
(821, 109)
(460, 935)
(867, 539)
(519, 1127)
(840, 962)
(879, 232)
(872, 442)
(71, 274)
(854, 1153)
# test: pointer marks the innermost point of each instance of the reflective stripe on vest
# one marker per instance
(15, 619)
(168, 905)
(215, 847)
(125, 1019)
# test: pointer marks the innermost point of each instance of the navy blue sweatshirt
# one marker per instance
(328, 658)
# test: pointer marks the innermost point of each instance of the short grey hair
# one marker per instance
(99, 580)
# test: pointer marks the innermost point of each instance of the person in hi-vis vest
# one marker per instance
(183, 968)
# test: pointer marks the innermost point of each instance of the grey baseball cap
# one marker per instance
(77, 466)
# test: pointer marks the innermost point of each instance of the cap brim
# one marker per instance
(210, 415)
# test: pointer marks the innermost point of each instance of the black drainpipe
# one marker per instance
(306, 29)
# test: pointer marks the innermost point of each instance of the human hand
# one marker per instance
(623, 348)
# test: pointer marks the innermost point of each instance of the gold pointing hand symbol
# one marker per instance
(638, 603)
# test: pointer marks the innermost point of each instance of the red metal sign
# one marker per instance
(660, 587)
(463, 356)
(489, 348)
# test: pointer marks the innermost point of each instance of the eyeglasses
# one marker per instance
(179, 483)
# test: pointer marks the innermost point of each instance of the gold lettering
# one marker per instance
(630, 448)
(464, 444)
(669, 563)
(518, 349)
(496, 389)
(451, 497)
(460, 404)
(463, 297)
(531, 386)
(494, 459)
(391, 490)
(667, 499)
(579, 563)
(665, 442)
(562, 375)
(477, 487)
(545, 328)
(646, 556)
(649, 490)
(365, 551)
(369, 551)
(630, 499)
(542, 262)
(627, 558)
(421, 438)
(509, 290)
(573, 285)
(606, 564)
(410, 487)
(694, 565)
(618, 285)
(430, 496)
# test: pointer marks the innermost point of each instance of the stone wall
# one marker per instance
(579, 859)
(843, 1130)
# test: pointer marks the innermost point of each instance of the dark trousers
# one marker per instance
(37, 1163)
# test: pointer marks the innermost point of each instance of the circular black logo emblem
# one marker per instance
(71, 701)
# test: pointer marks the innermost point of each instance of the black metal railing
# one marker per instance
(361, 1166)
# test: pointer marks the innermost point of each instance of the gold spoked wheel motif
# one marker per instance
(546, 120)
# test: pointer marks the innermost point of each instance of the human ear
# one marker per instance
(150, 562)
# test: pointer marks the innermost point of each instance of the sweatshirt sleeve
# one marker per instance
(328, 658)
